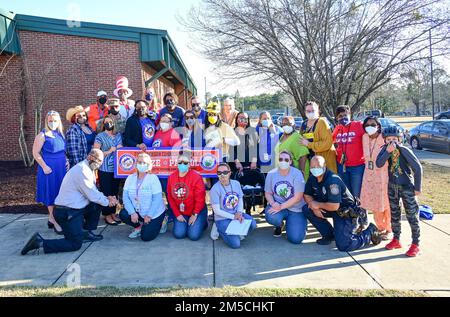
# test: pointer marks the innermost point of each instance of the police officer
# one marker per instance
(326, 196)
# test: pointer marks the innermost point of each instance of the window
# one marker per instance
(426, 126)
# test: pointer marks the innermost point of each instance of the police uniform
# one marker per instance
(333, 190)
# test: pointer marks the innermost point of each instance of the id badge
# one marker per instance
(370, 165)
(266, 157)
(182, 207)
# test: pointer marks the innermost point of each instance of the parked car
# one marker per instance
(298, 122)
(443, 115)
(362, 115)
(433, 135)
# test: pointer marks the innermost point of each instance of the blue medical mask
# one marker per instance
(149, 96)
(183, 168)
(265, 123)
(142, 167)
(317, 171)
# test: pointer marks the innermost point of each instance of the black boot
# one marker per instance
(35, 242)
(375, 234)
(92, 237)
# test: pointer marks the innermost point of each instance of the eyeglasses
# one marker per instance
(183, 162)
(212, 114)
(371, 125)
(52, 113)
(243, 120)
(195, 105)
(284, 160)
(225, 173)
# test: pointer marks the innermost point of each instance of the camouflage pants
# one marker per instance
(406, 193)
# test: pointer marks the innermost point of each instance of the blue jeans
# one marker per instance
(352, 177)
(346, 240)
(72, 222)
(233, 241)
(193, 232)
(149, 231)
(295, 223)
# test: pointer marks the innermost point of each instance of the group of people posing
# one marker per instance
(310, 175)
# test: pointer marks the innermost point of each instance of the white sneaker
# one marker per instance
(214, 232)
(164, 225)
(136, 233)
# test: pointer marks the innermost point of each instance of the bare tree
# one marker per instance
(332, 51)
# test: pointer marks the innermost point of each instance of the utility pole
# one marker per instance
(432, 77)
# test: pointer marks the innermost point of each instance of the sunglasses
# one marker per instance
(212, 114)
(225, 173)
(183, 162)
(284, 160)
(195, 105)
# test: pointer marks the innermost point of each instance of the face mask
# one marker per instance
(183, 168)
(142, 167)
(190, 121)
(141, 112)
(288, 129)
(345, 120)
(311, 115)
(149, 96)
(284, 165)
(53, 125)
(94, 165)
(102, 100)
(81, 120)
(371, 130)
(164, 126)
(317, 171)
(265, 123)
(113, 111)
(109, 126)
(212, 120)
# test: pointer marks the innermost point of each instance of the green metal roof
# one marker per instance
(156, 47)
(9, 42)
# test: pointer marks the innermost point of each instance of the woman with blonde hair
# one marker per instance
(142, 198)
(229, 112)
(49, 151)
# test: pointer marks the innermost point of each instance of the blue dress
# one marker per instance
(54, 155)
(90, 139)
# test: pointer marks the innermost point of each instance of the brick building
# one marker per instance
(59, 64)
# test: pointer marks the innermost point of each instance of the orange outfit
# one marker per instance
(374, 190)
(94, 116)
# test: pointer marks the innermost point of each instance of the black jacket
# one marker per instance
(133, 132)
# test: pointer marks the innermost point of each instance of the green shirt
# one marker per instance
(292, 144)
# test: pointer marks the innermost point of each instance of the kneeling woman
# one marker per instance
(284, 189)
(186, 196)
(142, 198)
(228, 204)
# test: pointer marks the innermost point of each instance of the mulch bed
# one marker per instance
(18, 189)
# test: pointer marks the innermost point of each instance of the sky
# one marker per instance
(155, 14)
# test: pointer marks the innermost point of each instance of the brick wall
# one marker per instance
(69, 70)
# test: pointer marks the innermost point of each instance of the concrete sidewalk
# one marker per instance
(263, 261)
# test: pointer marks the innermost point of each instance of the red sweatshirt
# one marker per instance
(170, 138)
(189, 189)
(349, 140)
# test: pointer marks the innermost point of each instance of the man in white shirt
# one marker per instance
(77, 208)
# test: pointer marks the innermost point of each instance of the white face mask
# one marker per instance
(284, 165)
(371, 130)
(288, 129)
(164, 126)
(312, 115)
(317, 171)
(53, 125)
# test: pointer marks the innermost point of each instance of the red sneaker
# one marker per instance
(413, 250)
(394, 244)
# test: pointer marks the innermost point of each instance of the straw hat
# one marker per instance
(73, 111)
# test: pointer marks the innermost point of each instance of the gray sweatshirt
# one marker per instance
(409, 163)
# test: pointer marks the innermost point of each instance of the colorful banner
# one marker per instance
(204, 161)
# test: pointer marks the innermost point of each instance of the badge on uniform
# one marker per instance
(324, 190)
(370, 165)
(334, 189)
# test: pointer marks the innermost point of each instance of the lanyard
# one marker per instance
(371, 149)
(138, 186)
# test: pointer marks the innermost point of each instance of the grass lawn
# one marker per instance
(435, 188)
(196, 292)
